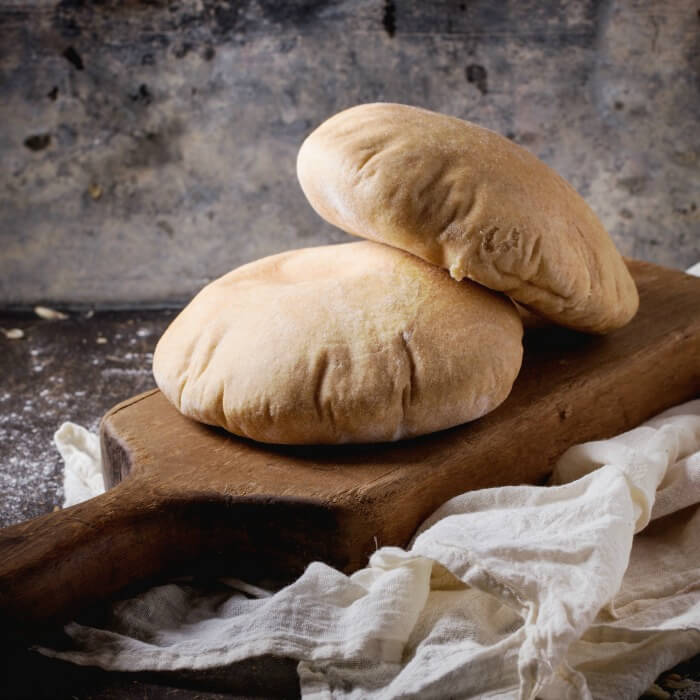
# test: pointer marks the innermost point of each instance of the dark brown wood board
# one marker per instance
(186, 496)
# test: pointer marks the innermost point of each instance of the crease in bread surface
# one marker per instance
(467, 199)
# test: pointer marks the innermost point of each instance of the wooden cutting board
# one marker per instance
(185, 496)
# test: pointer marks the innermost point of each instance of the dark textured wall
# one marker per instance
(148, 147)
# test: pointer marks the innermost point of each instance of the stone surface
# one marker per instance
(148, 147)
(29, 675)
(68, 370)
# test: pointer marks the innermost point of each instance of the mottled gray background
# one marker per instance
(147, 147)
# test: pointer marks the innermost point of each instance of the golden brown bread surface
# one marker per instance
(466, 199)
(357, 342)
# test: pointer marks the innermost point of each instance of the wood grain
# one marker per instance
(190, 497)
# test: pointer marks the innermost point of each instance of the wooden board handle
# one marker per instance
(53, 565)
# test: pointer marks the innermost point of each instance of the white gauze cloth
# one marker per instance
(587, 588)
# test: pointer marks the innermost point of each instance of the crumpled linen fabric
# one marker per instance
(586, 588)
(82, 473)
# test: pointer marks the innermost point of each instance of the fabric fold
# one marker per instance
(585, 588)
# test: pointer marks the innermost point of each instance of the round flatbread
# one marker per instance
(466, 199)
(358, 342)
